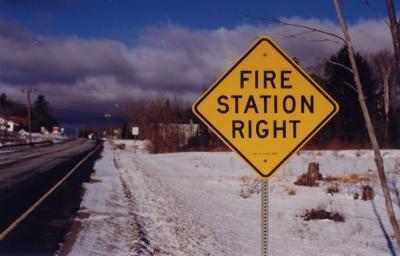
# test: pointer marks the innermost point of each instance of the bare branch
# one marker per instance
(326, 40)
(375, 11)
(294, 36)
(309, 28)
(350, 85)
(340, 65)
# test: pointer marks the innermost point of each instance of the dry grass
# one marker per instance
(305, 180)
(245, 180)
(290, 191)
(119, 146)
(357, 178)
(329, 178)
(321, 214)
(352, 179)
(249, 186)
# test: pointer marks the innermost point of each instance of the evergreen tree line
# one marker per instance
(347, 129)
(41, 112)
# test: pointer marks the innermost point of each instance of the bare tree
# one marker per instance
(370, 128)
(385, 64)
(394, 30)
(160, 122)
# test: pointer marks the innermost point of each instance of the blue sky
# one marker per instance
(123, 20)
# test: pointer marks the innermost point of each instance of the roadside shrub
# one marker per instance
(291, 192)
(332, 190)
(321, 214)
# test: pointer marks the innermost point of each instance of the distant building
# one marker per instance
(12, 124)
(56, 130)
(186, 131)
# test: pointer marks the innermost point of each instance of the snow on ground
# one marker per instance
(191, 204)
(105, 217)
(38, 137)
(22, 137)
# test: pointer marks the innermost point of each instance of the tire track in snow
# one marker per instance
(139, 240)
(172, 228)
(106, 223)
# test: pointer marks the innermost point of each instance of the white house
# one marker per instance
(9, 125)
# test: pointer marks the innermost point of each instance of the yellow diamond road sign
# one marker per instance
(265, 107)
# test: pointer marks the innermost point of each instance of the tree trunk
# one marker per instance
(386, 105)
(313, 172)
(385, 63)
(394, 29)
(370, 128)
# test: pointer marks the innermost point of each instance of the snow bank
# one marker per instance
(190, 204)
(37, 137)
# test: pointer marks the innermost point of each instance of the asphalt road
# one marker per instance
(18, 167)
(27, 175)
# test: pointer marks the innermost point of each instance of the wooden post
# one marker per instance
(313, 172)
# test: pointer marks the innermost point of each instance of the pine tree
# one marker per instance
(43, 115)
(340, 84)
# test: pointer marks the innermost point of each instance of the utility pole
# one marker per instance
(28, 93)
(108, 117)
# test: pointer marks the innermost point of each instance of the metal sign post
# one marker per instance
(264, 217)
(135, 133)
(265, 108)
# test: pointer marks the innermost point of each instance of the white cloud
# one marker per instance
(169, 60)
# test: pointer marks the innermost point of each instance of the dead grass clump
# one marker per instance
(321, 214)
(332, 190)
(119, 146)
(329, 178)
(368, 193)
(291, 191)
(357, 178)
(304, 180)
(244, 180)
(249, 186)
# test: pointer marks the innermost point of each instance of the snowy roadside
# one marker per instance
(36, 137)
(191, 204)
(104, 224)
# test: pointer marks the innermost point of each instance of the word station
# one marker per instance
(267, 103)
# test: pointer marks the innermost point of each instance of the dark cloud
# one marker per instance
(169, 60)
(31, 60)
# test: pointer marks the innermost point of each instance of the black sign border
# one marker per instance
(226, 141)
